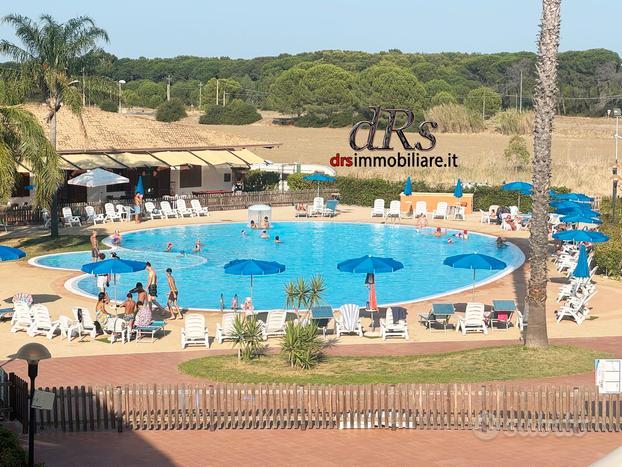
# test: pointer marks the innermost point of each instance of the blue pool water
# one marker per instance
(307, 248)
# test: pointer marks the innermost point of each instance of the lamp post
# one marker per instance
(121, 81)
(617, 113)
(33, 353)
(200, 95)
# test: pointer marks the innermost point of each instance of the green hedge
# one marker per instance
(236, 112)
(11, 452)
(171, 111)
(259, 180)
(608, 255)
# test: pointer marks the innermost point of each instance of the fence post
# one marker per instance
(118, 412)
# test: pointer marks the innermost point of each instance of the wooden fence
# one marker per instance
(277, 406)
(214, 201)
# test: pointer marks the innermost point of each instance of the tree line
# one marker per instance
(333, 82)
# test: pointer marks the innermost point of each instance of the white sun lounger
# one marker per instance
(348, 321)
(390, 327)
(22, 318)
(194, 331)
(378, 208)
(154, 213)
(111, 213)
(42, 324)
(441, 210)
(394, 211)
(92, 216)
(224, 329)
(86, 325)
(473, 319)
(275, 324)
(167, 210)
(182, 209)
(69, 218)
(421, 208)
(68, 328)
(318, 206)
(575, 308)
(198, 209)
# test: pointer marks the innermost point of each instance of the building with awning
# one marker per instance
(172, 158)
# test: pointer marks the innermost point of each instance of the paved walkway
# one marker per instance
(161, 367)
(327, 448)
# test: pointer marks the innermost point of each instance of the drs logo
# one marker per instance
(424, 132)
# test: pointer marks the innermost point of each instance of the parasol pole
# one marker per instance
(473, 284)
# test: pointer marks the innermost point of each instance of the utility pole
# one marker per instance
(168, 88)
(224, 98)
(216, 91)
(520, 100)
(200, 95)
(83, 90)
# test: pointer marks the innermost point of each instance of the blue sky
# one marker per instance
(250, 28)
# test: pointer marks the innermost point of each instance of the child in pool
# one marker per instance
(116, 238)
(169, 247)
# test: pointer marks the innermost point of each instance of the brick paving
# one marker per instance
(325, 447)
(161, 367)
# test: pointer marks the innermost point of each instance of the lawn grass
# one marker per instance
(35, 246)
(506, 362)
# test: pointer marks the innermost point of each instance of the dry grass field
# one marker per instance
(583, 151)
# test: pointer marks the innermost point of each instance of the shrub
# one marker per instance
(301, 294)
(511, 122)
(517, 153)
(236, 112)
(608, 255)
(301, 345)
(443, 97)
(259, 180)
(11, 452)
(248, 338)
(296, 182)
(171, 111)
(454, 118)
(483, 99)
(363, 191)
(109, 106)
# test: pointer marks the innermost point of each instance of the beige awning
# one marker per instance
(177, 158)
(136, 160)
(248, 157)
(92, 161)
(220, 157)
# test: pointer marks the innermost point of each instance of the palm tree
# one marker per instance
(545, 98)
(49, 51)
(23, 141)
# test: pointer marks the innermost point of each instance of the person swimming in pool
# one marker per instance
(277, 239)
(252, 224)
(116, 238)
(243, 233)
(264, 235)
(501, 242)
(169, 247)
(437, 233)
(265, 223)
(197, 247)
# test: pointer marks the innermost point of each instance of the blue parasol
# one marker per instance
(458, 189)
(113, 266)
(139, 186)
(8, 253)
(520, 187)
(474, 261)
(319, 177)
(253, 267)
(408, 187)
(581, 236)
(583, 269)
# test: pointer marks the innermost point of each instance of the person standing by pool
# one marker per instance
(152, 287)
(94, 246)
(102, 279)
(222, 302)
(138, 201)
(141, 295)
(173, 294)
(234, 302)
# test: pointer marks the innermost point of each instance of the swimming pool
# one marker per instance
(307, 248)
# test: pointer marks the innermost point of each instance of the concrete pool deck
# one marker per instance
(47, 286)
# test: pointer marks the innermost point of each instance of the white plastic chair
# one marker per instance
(394, 211)
(485, 219)
(441, 210)
(275, 324)
(198, 209)
(124, 212)
(182, 209)
(349, 320)
(117, 328)
(514, 211)
(194, 331)
(69, 218)
(111, 213)
(167, 210)
(224, 330)
(473, 319)
(390, 327)
(378, 208)
(421, 207)
(92, 216)
(460, 213)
